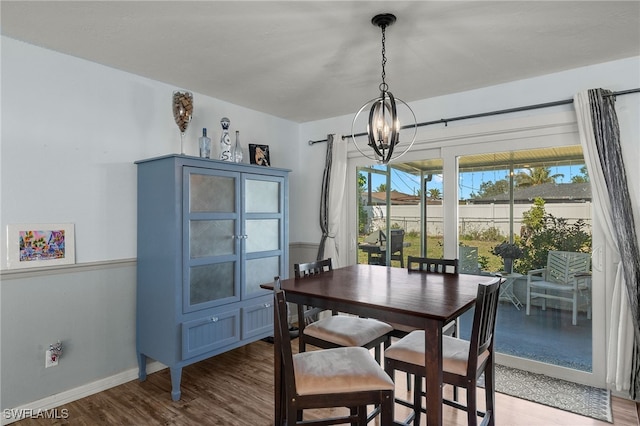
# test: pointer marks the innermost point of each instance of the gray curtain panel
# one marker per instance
(324, 198)
(607, 137)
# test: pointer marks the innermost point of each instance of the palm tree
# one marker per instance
(536, 176)
(435, 194)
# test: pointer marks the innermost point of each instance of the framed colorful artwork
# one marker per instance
(32, 245)
(259, 154)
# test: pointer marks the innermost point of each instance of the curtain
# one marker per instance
(332, 199)
(600, 139)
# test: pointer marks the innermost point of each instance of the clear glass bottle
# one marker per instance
(205, 144)
(237, 149)
(225, 141)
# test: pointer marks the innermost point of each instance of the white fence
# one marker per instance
(473, 217)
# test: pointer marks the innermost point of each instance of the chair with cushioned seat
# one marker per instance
(340, 377)
(464, 361)
(338, 330)
(438, 266)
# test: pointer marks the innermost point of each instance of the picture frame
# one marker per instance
(32, 245)
(259, 154)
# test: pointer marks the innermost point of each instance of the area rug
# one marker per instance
(580, 399)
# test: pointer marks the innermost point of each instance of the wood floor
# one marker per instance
(236, 388)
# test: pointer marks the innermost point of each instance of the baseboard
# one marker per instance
(46, 407)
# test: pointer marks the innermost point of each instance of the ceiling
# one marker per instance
(309, 60)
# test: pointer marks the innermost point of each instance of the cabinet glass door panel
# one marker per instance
(211, 282)
(211, 238)
(211, 194)
(262, 196)
(262, 235)
(260, 271)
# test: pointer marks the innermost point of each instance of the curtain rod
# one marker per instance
(490, 113)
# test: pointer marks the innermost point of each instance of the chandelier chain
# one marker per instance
(383, 86)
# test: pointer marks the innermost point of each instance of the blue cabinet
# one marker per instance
(209, 233)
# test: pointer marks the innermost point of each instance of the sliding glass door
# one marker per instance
(539, 202)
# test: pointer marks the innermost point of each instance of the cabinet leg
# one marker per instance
(176, 375)
(142, 367)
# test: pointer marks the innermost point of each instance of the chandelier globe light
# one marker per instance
(383, 124)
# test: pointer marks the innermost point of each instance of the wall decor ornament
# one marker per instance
(36, 245)
(259, 154)
(225, 140)
(182, 106)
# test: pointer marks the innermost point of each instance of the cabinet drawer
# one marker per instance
(209, 333)
(257, 319)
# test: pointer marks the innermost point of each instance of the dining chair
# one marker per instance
(464, 361)
(439, 266)
(338, 330)
(339, 377)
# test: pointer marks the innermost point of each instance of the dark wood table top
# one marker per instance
(407, 296)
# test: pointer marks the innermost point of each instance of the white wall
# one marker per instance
(72, 129)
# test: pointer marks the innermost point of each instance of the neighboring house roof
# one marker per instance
(550, 192)
(397, 198)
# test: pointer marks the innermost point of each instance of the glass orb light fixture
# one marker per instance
(383, 124)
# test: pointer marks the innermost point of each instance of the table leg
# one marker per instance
(433, 363)
(277, 372)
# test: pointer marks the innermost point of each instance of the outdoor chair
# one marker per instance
(564, 278)
(396, 246)
(337, 330)
(340, 377)
(464, 361)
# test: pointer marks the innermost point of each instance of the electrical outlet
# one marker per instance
(50, 360)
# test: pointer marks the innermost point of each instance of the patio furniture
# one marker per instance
(564, 278)
(337, 330)
(468, 260)
(506, 289)
(340, 377)
(377, 250)
(464, 361)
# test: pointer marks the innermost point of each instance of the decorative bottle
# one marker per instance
(225, 141)
(237, 149)
(205, 144)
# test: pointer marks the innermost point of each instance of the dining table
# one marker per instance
(423, 300)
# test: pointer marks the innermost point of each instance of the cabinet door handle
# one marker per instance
(267, 305)
(214, 319)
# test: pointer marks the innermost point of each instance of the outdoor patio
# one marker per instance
(545, 336)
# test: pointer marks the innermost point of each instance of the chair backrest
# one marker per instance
(484, 321)
(563, 265)
(397, 240)
(282, 337)
(468, 263)
(442, 266)
(312, 268)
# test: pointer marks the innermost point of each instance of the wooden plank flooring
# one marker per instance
(236, 388)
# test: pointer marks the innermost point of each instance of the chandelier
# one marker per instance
(383, 125)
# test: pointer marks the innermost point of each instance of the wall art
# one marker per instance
(259, 154)
(32, 245)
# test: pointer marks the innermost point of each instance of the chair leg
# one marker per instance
(489, 386)
(574, 318)
(417, 399)
(472, 406)
(386, 409)
(528, 299)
